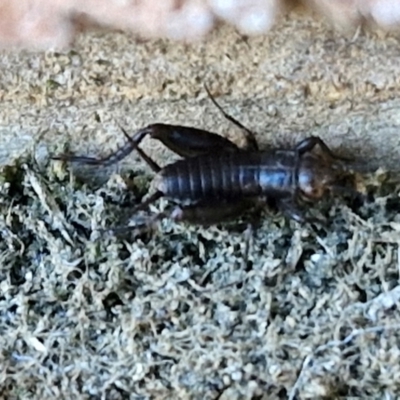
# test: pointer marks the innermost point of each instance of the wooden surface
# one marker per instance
(303, 79)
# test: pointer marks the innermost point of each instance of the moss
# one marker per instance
(178, 310)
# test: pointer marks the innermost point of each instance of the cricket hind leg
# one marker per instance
(191, 142)
(218, 212)
(185, 141)
(204, 213)
(182, 140)
(210, 213)
(251, 144)
(113, 158)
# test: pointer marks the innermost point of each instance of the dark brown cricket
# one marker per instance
(216, 180)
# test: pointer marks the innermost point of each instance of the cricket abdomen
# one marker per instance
(227, 176)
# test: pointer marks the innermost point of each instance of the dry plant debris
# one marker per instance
(177, 313)
(48, 24)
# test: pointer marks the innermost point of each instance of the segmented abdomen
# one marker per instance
(229, 175)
